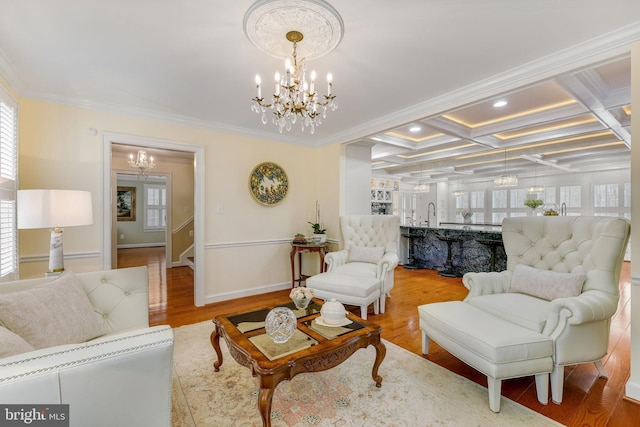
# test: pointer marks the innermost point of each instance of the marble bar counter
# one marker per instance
(472, 249)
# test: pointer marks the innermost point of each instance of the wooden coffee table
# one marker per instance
(313, 347)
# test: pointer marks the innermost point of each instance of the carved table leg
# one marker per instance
(381, 351)
(215, 343)
(292, 255)
(264, 404)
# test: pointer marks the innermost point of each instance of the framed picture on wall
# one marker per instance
(126, 204)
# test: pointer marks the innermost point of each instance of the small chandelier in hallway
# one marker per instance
(142, 162)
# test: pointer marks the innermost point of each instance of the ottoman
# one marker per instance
(347, 289)
(496, 347)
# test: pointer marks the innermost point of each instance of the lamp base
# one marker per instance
(53, 274)
(56, 258)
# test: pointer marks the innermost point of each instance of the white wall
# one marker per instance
(357, 175)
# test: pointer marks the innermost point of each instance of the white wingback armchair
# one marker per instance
(368, 231)
(578, 325)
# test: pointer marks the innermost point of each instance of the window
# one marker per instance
(518, 196)
(571, 196)
(605, 196)
(8, 187)
(462, 201)
(499, 199)
(627, 194)
(476, 200)
(497, 217)
(155, 207)
(549, 195)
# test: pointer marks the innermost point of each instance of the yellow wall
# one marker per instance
(246, 246)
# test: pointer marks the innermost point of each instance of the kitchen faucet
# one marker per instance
(563, 209)
(429, 213)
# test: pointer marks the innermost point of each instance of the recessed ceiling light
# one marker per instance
(500, 103)
(415, 129)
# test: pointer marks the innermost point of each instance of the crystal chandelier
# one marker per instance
(535, 189)
(295, 98)
(142, 162)
(421, 187)
(505, 180)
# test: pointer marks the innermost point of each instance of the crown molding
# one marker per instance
(155, 115)
(10, 75)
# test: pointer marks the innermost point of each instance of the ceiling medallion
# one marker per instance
(313, 29)
(268, 21)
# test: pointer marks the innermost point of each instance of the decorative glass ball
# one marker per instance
(280, 324)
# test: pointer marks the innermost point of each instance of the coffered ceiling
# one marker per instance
(561, 65)
(574, 122)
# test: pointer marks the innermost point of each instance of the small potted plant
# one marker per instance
(319, 233)
(299, 238)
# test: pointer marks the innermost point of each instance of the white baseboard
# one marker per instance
(141, 245)
(632, 390)
(246, 293)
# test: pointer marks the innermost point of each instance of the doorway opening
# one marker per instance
(193, 156)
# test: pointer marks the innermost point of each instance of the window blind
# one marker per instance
(8, 187)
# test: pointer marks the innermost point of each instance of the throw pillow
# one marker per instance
(364, 254)
(54, 313)
(546, 284)
(11, 343)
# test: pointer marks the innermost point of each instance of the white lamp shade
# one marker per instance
(54, 208)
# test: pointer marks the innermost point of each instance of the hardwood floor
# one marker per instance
(588, 400)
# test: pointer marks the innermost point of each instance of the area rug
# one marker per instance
(414, 392)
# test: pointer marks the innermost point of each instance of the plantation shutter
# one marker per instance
(155, 207)
(8, 187)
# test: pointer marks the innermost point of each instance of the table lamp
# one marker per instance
(54, 209)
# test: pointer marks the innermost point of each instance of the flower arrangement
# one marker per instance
(533, 203)
(301, 292)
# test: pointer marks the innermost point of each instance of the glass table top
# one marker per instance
(252, 321)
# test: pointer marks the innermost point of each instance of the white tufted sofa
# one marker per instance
(369, 231)
(507, 329)
(122, 378)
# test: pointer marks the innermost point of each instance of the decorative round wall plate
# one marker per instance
(268, 183)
